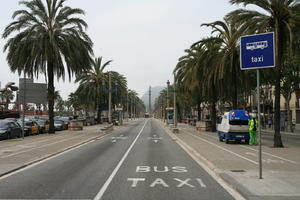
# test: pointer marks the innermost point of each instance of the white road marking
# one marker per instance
(47, 159)
(224, 149)
(113, 174)
(269, 154)
(207, 167)
(183, 182)
(49, 144)
(271, 161)
(251, 154)
(201, 183)
(266, 153)
(159, 181)
(135, 181)
(155, 138)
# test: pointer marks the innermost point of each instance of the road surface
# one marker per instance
(138, 161)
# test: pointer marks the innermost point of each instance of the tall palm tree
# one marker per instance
(91, 84)
(226, 34)
(48, 38)
(74, 102)
(280, 17)
(7, 96)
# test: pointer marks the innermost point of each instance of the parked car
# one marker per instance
(35, 128)
(59, 125)
(65, 120)
(9, 129)
(234, 126)
(27, 128)
(44, 125)
(31, 125)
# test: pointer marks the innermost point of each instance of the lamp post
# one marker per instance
(175, 110)
(109, 98)
(168, 102)
(127, 106)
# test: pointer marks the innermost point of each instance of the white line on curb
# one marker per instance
(113, 174)
(246, 147)
(236, 154)
(210, 168)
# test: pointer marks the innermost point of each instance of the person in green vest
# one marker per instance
(253, 126)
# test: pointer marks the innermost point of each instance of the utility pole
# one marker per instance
(109, 98)
(175, 110)
(150, 100)
(24, 102)
(131, 109)
(127, 109)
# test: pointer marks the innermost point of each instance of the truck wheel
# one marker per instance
(227, 141)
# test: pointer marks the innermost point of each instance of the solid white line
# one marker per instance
(113, 174)
(266, 153)
(238, 155)
(269, 154)
(49, 144)
(210, 168)
(49, 158)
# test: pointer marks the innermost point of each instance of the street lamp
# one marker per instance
(109, 98)
(168, 103)
(175, 111)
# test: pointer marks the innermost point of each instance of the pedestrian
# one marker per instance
(253, 125)
(269, 123)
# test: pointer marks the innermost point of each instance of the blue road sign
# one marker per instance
(257, 51)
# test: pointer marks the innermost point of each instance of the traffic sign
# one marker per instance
(257, 51)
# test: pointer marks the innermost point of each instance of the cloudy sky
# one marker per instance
(144, 38)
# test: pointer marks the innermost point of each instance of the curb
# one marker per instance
(105, 132)
(225, 177)
(208, 166)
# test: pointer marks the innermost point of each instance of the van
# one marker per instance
(234, 126)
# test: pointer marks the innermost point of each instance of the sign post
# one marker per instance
(258, 52)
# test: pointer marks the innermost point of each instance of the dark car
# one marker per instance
(44, 125)
(27, 127)
(65, 120)
(9, 129)
(59, 125)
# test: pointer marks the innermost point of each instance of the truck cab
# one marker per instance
(234, 126)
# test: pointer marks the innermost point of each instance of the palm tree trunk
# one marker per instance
(234, 78)
(199, 110)
(51, 96)
(277, 136)
(213, 109)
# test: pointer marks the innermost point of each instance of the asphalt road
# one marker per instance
(139, 161)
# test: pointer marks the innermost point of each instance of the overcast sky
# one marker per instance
(144, 38)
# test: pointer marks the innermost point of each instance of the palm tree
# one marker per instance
(8, 95)
(280, 17)
(91, 84)
(50, 39)
(74, 102)
(226, 35)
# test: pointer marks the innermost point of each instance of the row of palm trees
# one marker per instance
(48, 37)
(209, 72)
(94, 87)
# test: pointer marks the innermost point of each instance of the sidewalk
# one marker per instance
(18, 153)
(237, 164)
(270, 130)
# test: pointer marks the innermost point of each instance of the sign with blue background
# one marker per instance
(257, 51)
